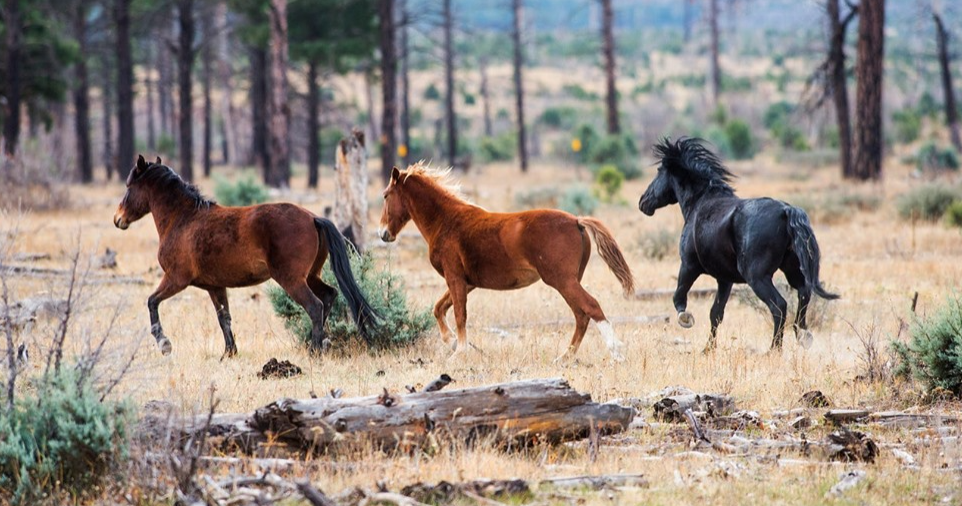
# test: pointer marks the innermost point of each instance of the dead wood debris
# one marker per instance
(276, 369)
(815, 399)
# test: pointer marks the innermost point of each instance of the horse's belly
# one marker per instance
(505, 280)
(235, 274)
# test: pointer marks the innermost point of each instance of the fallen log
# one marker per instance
(507, 414)
(672, 408)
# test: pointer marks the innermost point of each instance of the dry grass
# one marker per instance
(874, 260)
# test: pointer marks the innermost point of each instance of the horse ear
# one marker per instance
(395, 174)
(159, 161)
(141, 163)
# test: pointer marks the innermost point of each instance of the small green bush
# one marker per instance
(934, 354)
(579, 93)
(927, 202)
(578, 201)
(610, 180)
(930, 157)
(719, 115)
(777, 115)
(432, 93)
(659, 244)
(908, 124)
(588, 137)
(618, 150)
(246, 191)
(953, 215)
(559, 117)
(62, 438)
(166, 146)
(399, 325)
(499, 148)
(740, 140)
(928, 106)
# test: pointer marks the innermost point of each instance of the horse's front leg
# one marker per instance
(718, 311)
(167, 289)
(440, 314)
(687, 275)
(458, 292)
(219, 297)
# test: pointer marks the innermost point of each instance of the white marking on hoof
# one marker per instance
(165, 346)
(805, 338)
(686, 320)
(611, 341)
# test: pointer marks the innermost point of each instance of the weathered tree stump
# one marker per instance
(350, 195)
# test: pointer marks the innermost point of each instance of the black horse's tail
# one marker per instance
(806, 249)
(364, 314)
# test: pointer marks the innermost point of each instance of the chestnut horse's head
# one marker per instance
(395, 214)
(135, 204)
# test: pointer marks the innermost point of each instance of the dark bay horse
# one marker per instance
(473, 248)
(214, 248)
(733, 240)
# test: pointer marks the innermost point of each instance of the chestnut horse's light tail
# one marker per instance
(610, 253)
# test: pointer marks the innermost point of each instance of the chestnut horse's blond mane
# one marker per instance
(439, 177)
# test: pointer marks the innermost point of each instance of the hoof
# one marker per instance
(563, 359)
(709, 349)
(805, 339)
(165, 346)
(686, 320)
(616, 356)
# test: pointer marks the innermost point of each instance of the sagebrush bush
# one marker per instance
(499, 148)
(908, 125)
(559, 117)
(953, 215)
(658, 244)
(538, 197)
(62, 439)
(934, 354)
(927, 202)
(618, 150)
(931, 157)
(578, 201)
(400, 324)
(246, 191)
(739, 135)
(609, 180)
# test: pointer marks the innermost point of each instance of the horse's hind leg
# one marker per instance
(766, 291)
(303, 295)
(585, 307)
(219, 297)
(797, 281)
(167, 289)
(718, 311)
(325, 292)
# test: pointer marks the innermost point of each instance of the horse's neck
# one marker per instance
(168, 212)
(431, 207)
(693, 200)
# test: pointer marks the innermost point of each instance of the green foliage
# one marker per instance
(246, 191)
(610, 180)
(498, 148)
(579, 93)
(659, 244)
(778, 115)
(953, 215)
(400, 325)
(928, 106)
(578, 201)
(432, 92)
(740, 140)
(618, 150)
(166, 146)
(933, 158)
(588, 137)
(62, 438)
(908, 124)
(469, 98)
(719, 115)
(345, 35)
(927, 202)
(934, 354)
(559, 117)
(730, 83)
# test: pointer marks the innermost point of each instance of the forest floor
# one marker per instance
(875, 260)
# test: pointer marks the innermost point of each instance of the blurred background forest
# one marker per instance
(273, 85)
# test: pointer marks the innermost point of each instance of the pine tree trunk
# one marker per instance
(519, 85)
(715, 77)
(165, 78)
(125, 90)
(259, 154)
(149, 85)
(278, 111)
(450, 116)
(485, 95)
(107, 118)
(207, 57)
(81, 95)
(224, 75)
(608, 52)
(839, 85)
(388, 88)
(313, 126)
(405, 86)
(185, 60)
(951, 112)
(11, 114)
(868, 91)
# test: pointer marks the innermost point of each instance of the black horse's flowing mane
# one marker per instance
(689, 158)
(163, 177)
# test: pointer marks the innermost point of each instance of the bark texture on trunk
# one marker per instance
(450, 115)
(313, 126)
(868, 91)
(519, 85)
(185, 61)
(350, 188)
(838, 83)
(259, 154)
(107, 118)
(81, 96)
(125, 90)
(406, 87)
(388, 88)
(608, 52)
(11, 117)
(279, 112)
(948, 91)
(224, 82)
(207, 57)
(149, 86)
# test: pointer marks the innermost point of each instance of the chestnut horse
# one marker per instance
(214, 248)
(473, 248)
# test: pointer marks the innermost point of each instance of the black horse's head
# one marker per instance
(686, 168)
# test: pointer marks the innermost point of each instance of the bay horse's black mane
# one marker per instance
(689, 159)
(164, 178)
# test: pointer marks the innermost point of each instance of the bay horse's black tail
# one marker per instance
(364, 314)
(806, 249)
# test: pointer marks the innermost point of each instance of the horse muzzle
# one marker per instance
(386, 235)
(121, 222)
(647, 210)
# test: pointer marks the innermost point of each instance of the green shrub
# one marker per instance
(609, 179)
(588, 137)
(578, 201)
(930, 157)
(928, 106)
(659, 244)
(777, 115)
(927, 202)
(953, 215)
(559, 117)
(432, 93)
(793, 138)
(166, 146)
(498, 148)
(579, 93)
(62, 438)
(399, 325)
(469, 99)
(618, 150)
(719, 115)
(740, 141)
(934, 354)
(908, 124)
(245, 191)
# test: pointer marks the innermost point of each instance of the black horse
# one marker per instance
(733, 240)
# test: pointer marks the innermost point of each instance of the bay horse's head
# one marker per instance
(686, 168)
(135, 204)
(395, 214)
